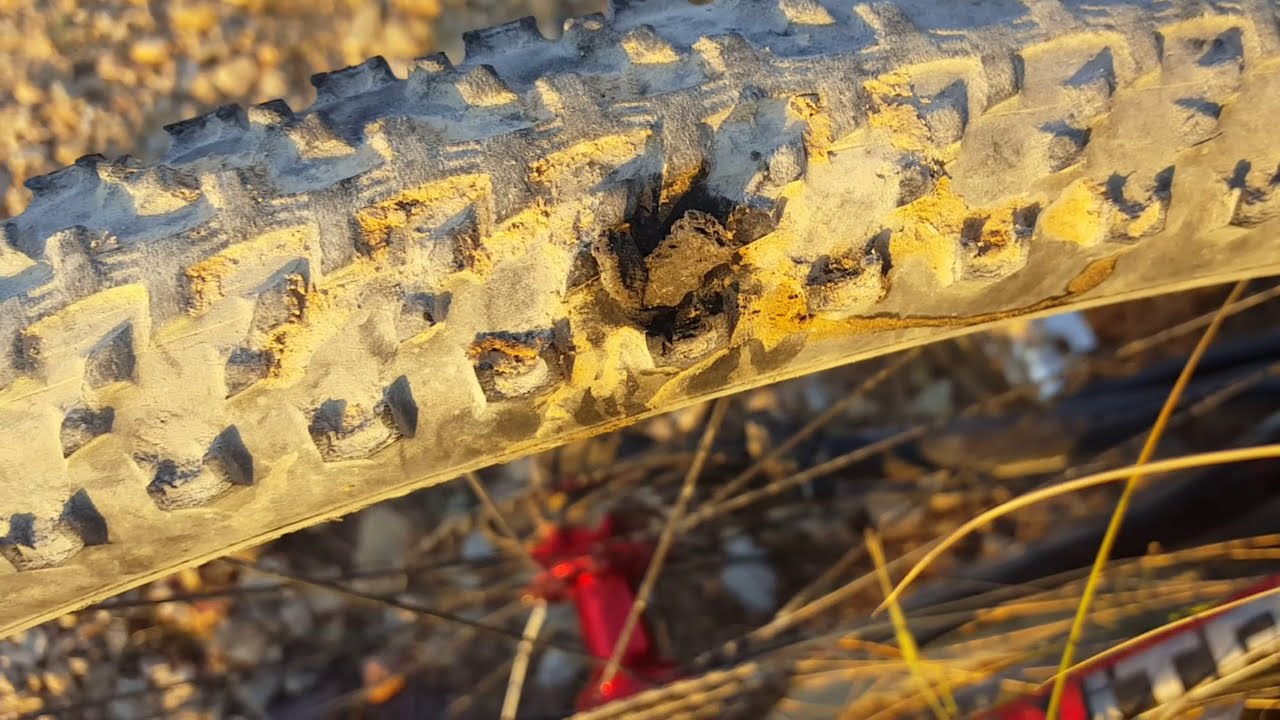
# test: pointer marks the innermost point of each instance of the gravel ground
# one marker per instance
(104, 76)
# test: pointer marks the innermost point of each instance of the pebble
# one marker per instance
(56, 684)
(175, 696)
(933, 400)
(117, 638)
(322, 602)
(78, 666)
(188, 17)
(259, 687)
(244, 644)
(557, 668)
(478, 547)
(235, 78)
(131, 701)
(101, 680)
(753, 583)
(28, 705)
(152, 51)
(297, 618)
(299, 679)
(945, 502)
(382, 542)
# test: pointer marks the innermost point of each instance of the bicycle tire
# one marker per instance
(295, 314)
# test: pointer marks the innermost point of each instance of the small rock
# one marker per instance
(297, 619)
(758, 439)
(17, 657)
(332, 631)
(751, 581)
(816, 394)
(192, 18)
(273, 83)
(161, 673)
(382, 542)
(117, 638)
(28, 705)
(322, 602)
(175, 696)
(478, 547)
(131, 700)
(945, 502)
(27, 94)
(101, 680)
(236, 77)
(557, 668)
(299, 679)
(36, 641)
(151, 51)
(244, 644)
(995, 546)
(56, 684)
(934, 400)
(260, 687)
(203, 89)
(79, 666)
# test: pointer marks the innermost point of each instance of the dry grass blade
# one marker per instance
(666, 539)
(1169, 627)
(654, 703)
(389, 602)
(822, 604)
(1230, 308)
(331, 707)
(906, 643)
(1241, 547)
(1256, 661)
(870, 669)
(496, 515)
(712, 511)
(520, 666)
(851, 557)
(742, 500)
(1162, 467)
(1126, 497)
(894, 364)
(463, 705)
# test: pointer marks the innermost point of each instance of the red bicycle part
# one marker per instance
(599, 574)
(1151, 668)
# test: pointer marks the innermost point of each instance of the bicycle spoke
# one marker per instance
(394, 603)
(664, 542)
(511, 702)
(1140, 345)
(496, 516)
(853, 457)
(851, 557)
(894, 364)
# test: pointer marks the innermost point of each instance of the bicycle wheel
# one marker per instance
(761, 609)
(295, 314)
